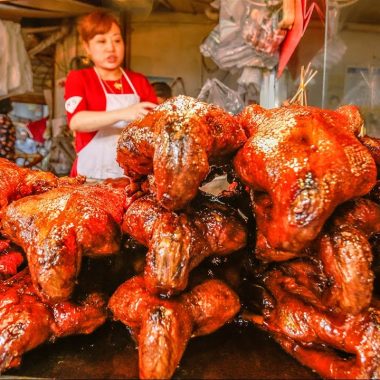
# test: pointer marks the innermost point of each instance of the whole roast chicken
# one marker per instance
(59, 226)
(302, 162)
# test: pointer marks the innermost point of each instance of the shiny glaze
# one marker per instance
(163, 327)
(175, 142)
(311, 335)
(324, 302)
(59, 226)
(11, 258)
(308, 161)
(26, 321)
(19, 182)
(178, 242)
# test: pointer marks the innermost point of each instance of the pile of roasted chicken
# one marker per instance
(303, 203)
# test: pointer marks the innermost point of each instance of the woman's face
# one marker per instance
(106, 50)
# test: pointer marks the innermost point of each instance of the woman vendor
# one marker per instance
(103, 99)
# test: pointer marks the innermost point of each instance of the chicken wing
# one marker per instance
(163, 327)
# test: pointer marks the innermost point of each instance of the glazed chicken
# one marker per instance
(176, 142)
(320, 308)
(178, 242)
(26, 321)
(343, 346)
(19, 182)
(59, 226)
(337, 268)
(162, 328)
(308, 161)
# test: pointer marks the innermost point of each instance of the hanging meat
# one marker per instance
(306, 161)
(162, 328)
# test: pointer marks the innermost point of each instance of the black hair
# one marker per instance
(162, 89)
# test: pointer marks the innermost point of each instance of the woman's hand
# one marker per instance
(89, 121)
(136, 111)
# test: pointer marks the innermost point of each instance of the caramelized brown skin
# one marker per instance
(163, 327)
(26, 321)
(373, 145)
(178, 242)
(308, 161)
(312, 335)
(19, 182)
(337, 269)
(176, 142)
(59, 226)
(346, 254)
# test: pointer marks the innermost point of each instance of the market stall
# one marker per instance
(241, 240)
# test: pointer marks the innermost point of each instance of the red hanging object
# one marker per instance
(303, 14)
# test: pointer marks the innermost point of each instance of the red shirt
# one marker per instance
(83, 92)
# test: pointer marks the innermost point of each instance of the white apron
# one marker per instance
(97, 159)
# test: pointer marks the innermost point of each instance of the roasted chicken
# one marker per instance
(342, 346)
(59, 226)
(162, 328)
(176, 142)
(307, 161)
(337, 268)
(19, 182)
(178, 242)
(26, 321)
(318, 307)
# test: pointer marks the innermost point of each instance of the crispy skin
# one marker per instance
(163, 328)
(373, 145)
(320, 308)
(337, 269)
(59, 226)
(312, 335)
(19, 182)
(308, 161)
(178, 242)
(176, 142)
(26, 321)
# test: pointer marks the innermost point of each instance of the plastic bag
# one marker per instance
(216, 92)
(16, 75)
(245, 36)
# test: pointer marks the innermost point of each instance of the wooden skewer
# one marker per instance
(306, 76)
